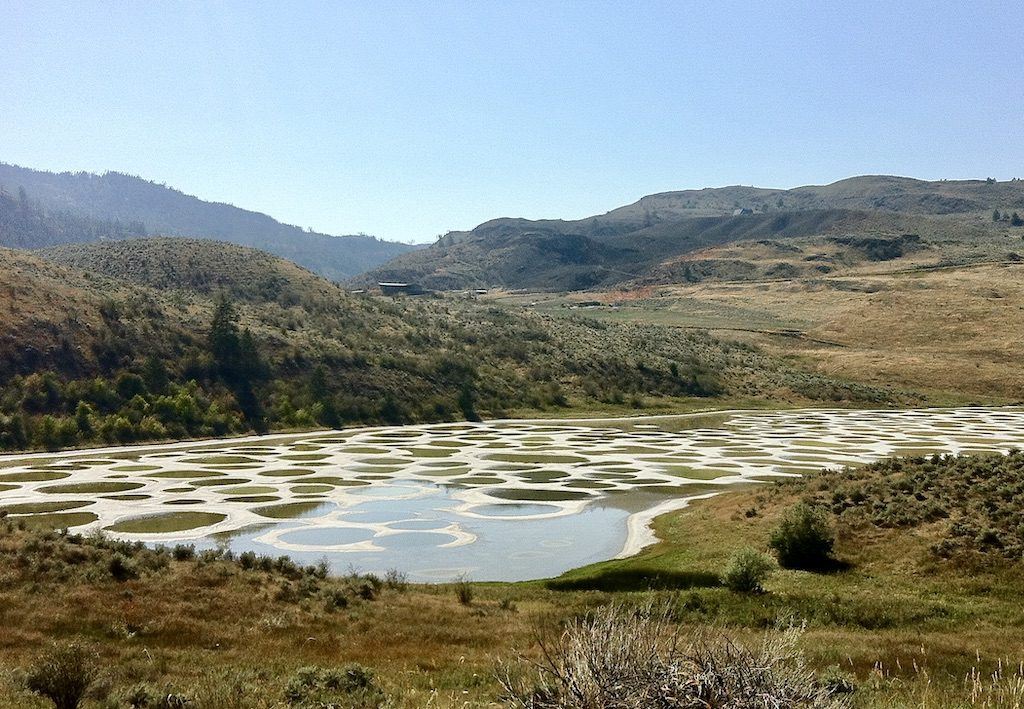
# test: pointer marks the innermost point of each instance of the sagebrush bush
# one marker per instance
(349, 687)
(463, 590)
(396, 580)
(747, 571)
(804, 539)
(635, 658)
(63, 675)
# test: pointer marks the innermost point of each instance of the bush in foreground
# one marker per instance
(63, 675)
(463, 590)
(747, 571)
(630, 658)
(804, 539)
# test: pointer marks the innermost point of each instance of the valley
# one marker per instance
(246, 471)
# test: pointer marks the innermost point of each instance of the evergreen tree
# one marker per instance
(467, 401)
(320, 393)
(223, 339)
(83, 418)
(154, 373)
(237, 360)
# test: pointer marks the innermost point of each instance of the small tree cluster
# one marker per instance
(1014, 219)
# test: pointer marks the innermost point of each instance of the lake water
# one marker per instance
(507, 500)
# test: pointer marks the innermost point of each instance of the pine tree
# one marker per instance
(154, 373)
(238, 361)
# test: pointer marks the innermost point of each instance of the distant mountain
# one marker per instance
(125, 202)
(25, 225)
(651, 239)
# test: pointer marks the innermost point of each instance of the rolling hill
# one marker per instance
(117, 200)
(657, 238)
(155, 338)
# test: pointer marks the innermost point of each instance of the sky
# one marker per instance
(406, 120)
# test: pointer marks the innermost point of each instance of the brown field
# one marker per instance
(950, 333)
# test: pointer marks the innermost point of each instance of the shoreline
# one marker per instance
(639, 532)
(267, 438)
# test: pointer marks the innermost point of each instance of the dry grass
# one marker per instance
(951, 333)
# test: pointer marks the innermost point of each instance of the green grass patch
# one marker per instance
(167, 523)
(87, 488)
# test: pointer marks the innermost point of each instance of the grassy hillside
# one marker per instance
(115, 197)
(915, 609)
(174, 338)
(866, 192)
(196, 266)
(661, 238)
(913, 322)
(547, 258)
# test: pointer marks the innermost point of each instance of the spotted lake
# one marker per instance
(507, 500)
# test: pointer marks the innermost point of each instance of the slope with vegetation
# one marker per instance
(907, 611)
(24, 225)
(115, 198)
(173, 338)
(663, 238)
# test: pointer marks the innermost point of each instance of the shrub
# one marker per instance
(121, 568)
(396, 580)
(184, 552)
(632, 658)
(335, 599)
(804, 539)
(63, 675)
(463, 590)
(747, 571)
(349, 687)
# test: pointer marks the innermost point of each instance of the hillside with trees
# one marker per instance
(25, 225)
(122, 353)
(125, 199)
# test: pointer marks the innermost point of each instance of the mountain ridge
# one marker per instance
(635, 240)
(164, 210)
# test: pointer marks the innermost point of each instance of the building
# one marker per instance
(400, 288)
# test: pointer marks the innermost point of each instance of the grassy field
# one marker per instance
(879, 327)
(906, 619)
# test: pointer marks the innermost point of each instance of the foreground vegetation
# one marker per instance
(908, 610)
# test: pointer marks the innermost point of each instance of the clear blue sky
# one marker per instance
(406, 120)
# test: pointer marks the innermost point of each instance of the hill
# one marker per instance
(156, 338)
(117, 198)
(196, 266)
(657, 238)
